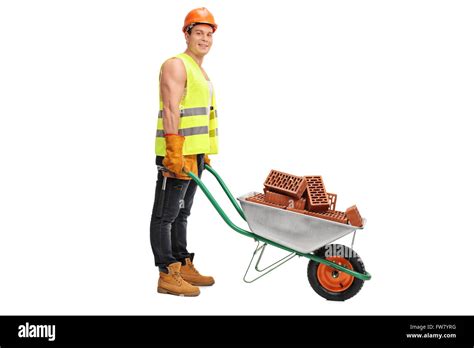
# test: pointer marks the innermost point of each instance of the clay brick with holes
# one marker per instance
(354, 216)
(337, 216)
(318, 200)
(287, 184)
(278, 198)
(260, 198)
(332, 201)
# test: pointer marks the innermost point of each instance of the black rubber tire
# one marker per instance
(336, 250)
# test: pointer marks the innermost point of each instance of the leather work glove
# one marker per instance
(207, 160)
(174, 160)
(190, 165)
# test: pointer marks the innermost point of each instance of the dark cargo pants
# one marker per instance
(168, 227)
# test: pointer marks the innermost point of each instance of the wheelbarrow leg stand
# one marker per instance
(260, 249)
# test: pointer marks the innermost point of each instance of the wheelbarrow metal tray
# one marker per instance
(302, 233)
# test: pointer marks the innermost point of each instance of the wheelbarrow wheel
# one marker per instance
(330, 283)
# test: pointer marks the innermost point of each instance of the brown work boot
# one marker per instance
(172, 282)
(192, 276)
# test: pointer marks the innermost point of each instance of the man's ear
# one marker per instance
(186, 37)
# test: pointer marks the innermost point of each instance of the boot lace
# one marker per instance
(193, 269)
(177, 276)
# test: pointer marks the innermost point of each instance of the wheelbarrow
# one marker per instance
(335, 271)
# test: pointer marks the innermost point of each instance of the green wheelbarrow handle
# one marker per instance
(198, 181)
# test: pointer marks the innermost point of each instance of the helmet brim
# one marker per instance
(212, 25)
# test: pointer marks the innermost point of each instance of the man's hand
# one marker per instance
(207, 160)
(174, 160)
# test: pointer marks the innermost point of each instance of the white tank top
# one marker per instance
(210, 92)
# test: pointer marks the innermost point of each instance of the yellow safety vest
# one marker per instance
(198, 119)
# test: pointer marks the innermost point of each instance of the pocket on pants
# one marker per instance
(179, 188)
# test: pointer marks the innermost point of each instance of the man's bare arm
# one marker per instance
(172, 84)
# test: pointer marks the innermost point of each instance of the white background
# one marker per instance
(375, 96)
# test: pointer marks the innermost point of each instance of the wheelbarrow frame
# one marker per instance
(261, 248)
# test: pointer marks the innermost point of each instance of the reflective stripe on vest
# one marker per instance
(189, 112)
(197, 119)
(187, 131)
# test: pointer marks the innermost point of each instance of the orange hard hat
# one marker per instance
(199, 15)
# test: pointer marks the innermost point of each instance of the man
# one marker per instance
(186, 134)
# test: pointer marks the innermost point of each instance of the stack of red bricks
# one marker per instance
(304, 195)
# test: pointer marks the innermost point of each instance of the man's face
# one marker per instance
(200, 40)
